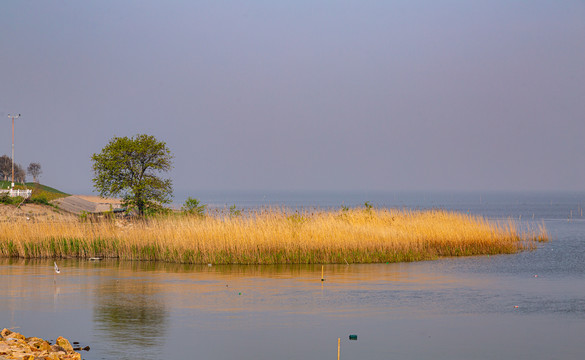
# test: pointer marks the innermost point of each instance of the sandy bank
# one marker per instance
(33, 212)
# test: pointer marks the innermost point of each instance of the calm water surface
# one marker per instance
(524, 306)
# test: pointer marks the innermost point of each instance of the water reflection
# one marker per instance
(129, 310)
(130, 313)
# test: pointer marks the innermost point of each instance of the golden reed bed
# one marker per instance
(273, 236)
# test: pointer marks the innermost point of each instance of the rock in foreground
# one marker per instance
(15, 346)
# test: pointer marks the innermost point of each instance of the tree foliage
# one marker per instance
(129, 168)
(19, 173)
(6, 170)
(5, 167)
(34, 170)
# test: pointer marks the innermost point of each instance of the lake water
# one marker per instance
(525, 306)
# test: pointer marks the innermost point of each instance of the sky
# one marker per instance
(302, 95)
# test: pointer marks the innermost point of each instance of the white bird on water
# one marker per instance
(57, 268)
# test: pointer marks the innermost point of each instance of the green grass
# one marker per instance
(32, 185)
(43, 192)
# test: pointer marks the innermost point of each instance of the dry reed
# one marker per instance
(273, 236)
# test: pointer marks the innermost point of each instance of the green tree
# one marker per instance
(130, 168)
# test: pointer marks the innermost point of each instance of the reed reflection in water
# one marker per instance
(130, 313)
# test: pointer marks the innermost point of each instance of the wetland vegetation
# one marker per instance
(272, 236)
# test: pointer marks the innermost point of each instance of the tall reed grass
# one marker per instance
(273, 236)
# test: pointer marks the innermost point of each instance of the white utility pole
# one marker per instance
(13, 117)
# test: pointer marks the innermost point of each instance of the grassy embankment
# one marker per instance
(41, 194)
(273, 236)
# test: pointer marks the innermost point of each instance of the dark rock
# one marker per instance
(57, 348)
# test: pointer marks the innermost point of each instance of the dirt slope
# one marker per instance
(76, 204)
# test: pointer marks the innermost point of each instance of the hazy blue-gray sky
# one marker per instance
(299, 95)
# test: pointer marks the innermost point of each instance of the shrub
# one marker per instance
(234, 211)
(8, 200)
(193, 207)
(40, 199)
(5, 199)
